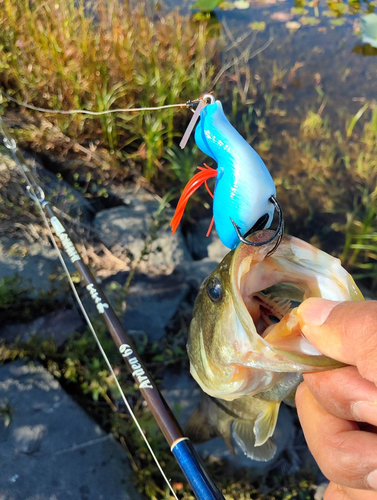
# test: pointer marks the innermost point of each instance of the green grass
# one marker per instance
(327, 184)
(63, 56)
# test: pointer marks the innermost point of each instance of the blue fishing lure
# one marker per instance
(244, 190)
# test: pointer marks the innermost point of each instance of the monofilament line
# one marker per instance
(90, 325)
(87, 112)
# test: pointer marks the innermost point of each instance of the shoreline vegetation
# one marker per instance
(71, 55)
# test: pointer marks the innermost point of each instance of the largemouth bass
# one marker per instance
(245, 339)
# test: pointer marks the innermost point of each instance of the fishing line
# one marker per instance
(87, 112)
(39, 200)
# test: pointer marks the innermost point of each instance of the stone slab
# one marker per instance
(198, 270)
(59, 193)
(130, 227)
(57, 325)
(35, 263)
(52, 450)
(151, 302)
(201, 246)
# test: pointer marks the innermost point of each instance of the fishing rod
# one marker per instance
(201, 483)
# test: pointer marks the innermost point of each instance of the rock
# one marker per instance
(181, 391)
(216, 250)
(202, 247)
(320, 491)
(136, 227)
(57, 325)
(197, 270)
(35, 263)
(52, 450)
(59, 193)
(151, 302)
(132, 195)
(281, 17)
(197, 242)
(28, 438)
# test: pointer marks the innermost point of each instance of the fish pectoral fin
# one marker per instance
(243, 434)
(198, 429)
(264, 425)
(290, 398)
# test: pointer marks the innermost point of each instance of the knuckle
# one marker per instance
(341, 463)
(334, 492)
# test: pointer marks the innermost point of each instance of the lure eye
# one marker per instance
(215, 290)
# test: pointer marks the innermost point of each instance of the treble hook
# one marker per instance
(278, 235)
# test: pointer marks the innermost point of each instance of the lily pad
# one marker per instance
(368, 25)
(241, 4)
(282, 17)
(206, 5)
(293, 25)
(339, 21)
(329, 13)
(226, 6)
(309, 21)
(338, 7)
(258, 26)
(299, 11)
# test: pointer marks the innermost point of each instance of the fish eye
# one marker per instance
(214, 290)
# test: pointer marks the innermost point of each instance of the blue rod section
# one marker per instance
(201, 483)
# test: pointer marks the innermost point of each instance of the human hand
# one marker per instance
(338, 408)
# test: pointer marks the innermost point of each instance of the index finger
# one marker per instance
(345, 454)
(345, 331)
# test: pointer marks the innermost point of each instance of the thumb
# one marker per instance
(345, 331)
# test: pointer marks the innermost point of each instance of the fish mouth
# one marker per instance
(267, 290)
(267, 308)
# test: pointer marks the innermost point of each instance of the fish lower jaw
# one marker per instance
(244, 381)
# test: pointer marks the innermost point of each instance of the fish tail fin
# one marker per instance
(190, 188)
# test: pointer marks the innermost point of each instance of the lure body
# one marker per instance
(244, 189)
(243, 183)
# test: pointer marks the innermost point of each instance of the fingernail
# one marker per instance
(372, 480)
(365, 411)
(315, 311)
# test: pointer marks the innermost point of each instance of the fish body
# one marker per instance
(245, 338)
(243, 185)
